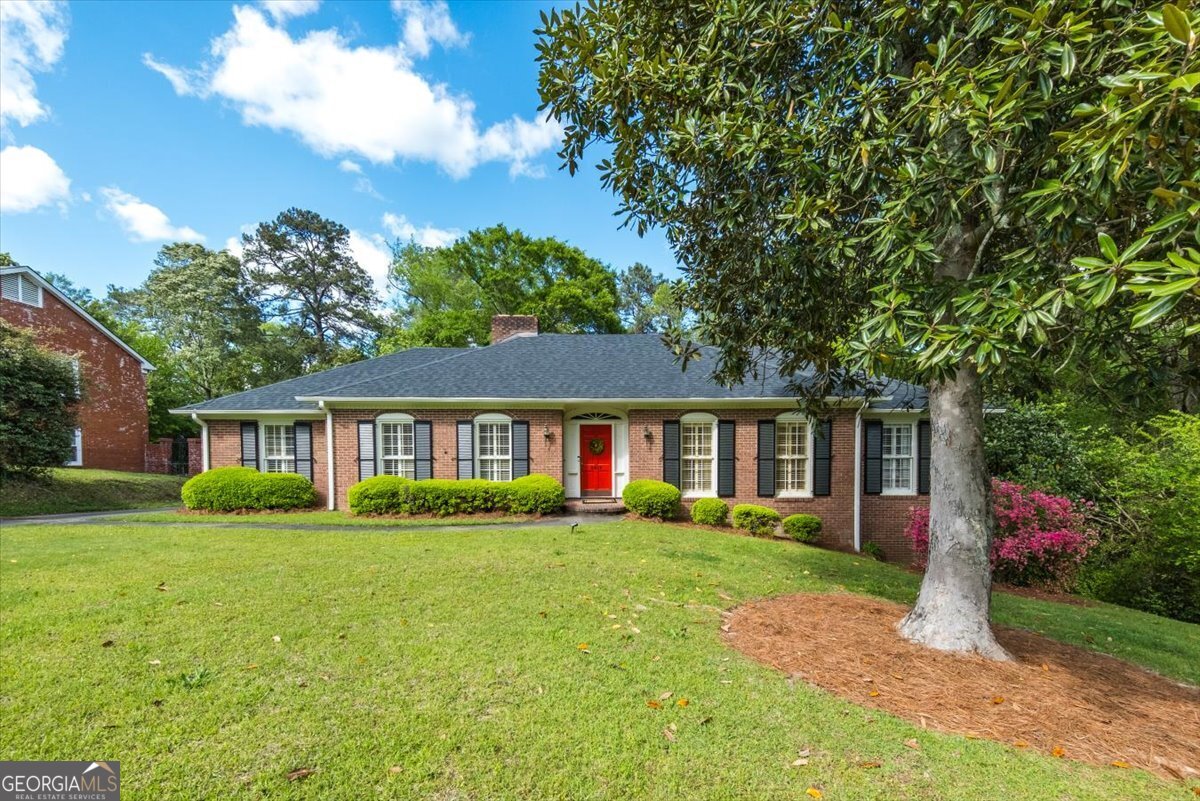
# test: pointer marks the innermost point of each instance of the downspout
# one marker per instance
(331, 503)
(203, 442)
(858, 476)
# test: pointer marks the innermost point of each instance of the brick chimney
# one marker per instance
(507, 326)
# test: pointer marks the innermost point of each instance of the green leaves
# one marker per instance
(1176, 22)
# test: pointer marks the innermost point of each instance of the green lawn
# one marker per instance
(324, 518)
(454, 659)
(67, 489)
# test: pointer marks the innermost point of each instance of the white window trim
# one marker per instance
(694, 419)
(491, 419)
(395, 417)
(911, 489)
(262, 443)
(797, 417)
(77, 442)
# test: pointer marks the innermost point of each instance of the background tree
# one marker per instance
(449, 294)
(38, 393)
(636, 288)
(302, 272)
(905, 188)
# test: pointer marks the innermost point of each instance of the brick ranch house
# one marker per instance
(112, 414)
(594, 412)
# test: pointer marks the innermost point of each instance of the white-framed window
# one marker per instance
(793, 440)
(698, 455)
(76, 459)
(493, 447)
(279, 448)
(20, 288)
(76, 369)
(397, 445)
(898, 462)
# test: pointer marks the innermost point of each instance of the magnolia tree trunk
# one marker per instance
(953, 609)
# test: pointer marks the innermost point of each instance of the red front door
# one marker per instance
(595, 456)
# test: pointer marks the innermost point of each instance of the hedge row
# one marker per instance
(392, 495)
(234, 489)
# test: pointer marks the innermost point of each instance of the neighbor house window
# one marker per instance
(21, 289)
(493, 444)
(397, 454)
(898, 457)
(279, 448)
(791, 456)
(76, 459)
(697, 450)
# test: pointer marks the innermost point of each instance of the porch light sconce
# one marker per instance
(547, 433)
(647, 433)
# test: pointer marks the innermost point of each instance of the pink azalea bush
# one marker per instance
(1040, 538)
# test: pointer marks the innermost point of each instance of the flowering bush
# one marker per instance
(1040, 539)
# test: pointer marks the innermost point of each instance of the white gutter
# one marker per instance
(203, 442)
(331, 490)
(858, 476)
(772, 401)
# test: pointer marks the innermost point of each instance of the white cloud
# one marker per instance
(399, 227)
(372, 253)
(343, 100)
(346, 165)
(282, 10)
(425, 24)
(32, 35)
(30, 179)
(143, 221)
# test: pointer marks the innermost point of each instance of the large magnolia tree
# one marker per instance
(931, 190)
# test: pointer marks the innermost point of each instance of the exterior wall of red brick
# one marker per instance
(225, 447)
(159, 456)
(112, 413)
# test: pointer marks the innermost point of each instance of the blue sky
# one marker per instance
(127, 125)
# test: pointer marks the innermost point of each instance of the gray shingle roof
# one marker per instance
(547, 367)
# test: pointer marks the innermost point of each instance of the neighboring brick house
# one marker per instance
(595, 412)
(112, 415)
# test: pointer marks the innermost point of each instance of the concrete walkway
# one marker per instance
(100, 518)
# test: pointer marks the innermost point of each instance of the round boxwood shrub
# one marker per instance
(535, 494)
(235, 489)
(381, 495)
(802, 528)
(710, 512)
(650, 498)
(758, 520)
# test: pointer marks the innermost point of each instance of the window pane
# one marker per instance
(898, 457)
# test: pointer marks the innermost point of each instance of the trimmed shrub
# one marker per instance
(381, 495)
(873, 550)
(235, 489)
(802, 528)
(758, 520)
(1040, 539)
(536, 494)
(710, 512)
(650, 498)
(446, 496)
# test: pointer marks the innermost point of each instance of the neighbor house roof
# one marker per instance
(548, 367)
(20, 269)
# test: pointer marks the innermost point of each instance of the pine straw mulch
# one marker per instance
(1055, 698)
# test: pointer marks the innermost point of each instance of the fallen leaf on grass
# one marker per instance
(1057, 751)
(804, 752)
(106, 644)
(669, 732)
(277, 638)
(583, 646)
(300, 773)
(665, 695)
(912, 743)
(799, 763)
(998, 699)
(682, 702)
(1020, 744)
(155, 662)
(395, 769)
(252, 666)
(162, 586)
(653, 704)
(812, 792)
(1117, 763)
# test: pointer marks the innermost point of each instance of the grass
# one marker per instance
(323, 518)
(67, 489)
(422, 664)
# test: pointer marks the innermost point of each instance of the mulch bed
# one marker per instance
(1055, 698)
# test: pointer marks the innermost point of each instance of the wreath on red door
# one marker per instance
(596, 446)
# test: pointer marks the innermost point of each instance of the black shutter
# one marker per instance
(873, 457)
(726, 453)
(366, 449)
(766, 458)
(822, 456)
(671, 452)
(466, 449)
(423, 449)
(302, 436)
(250, 445)
(923, 451)
(520, 448)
